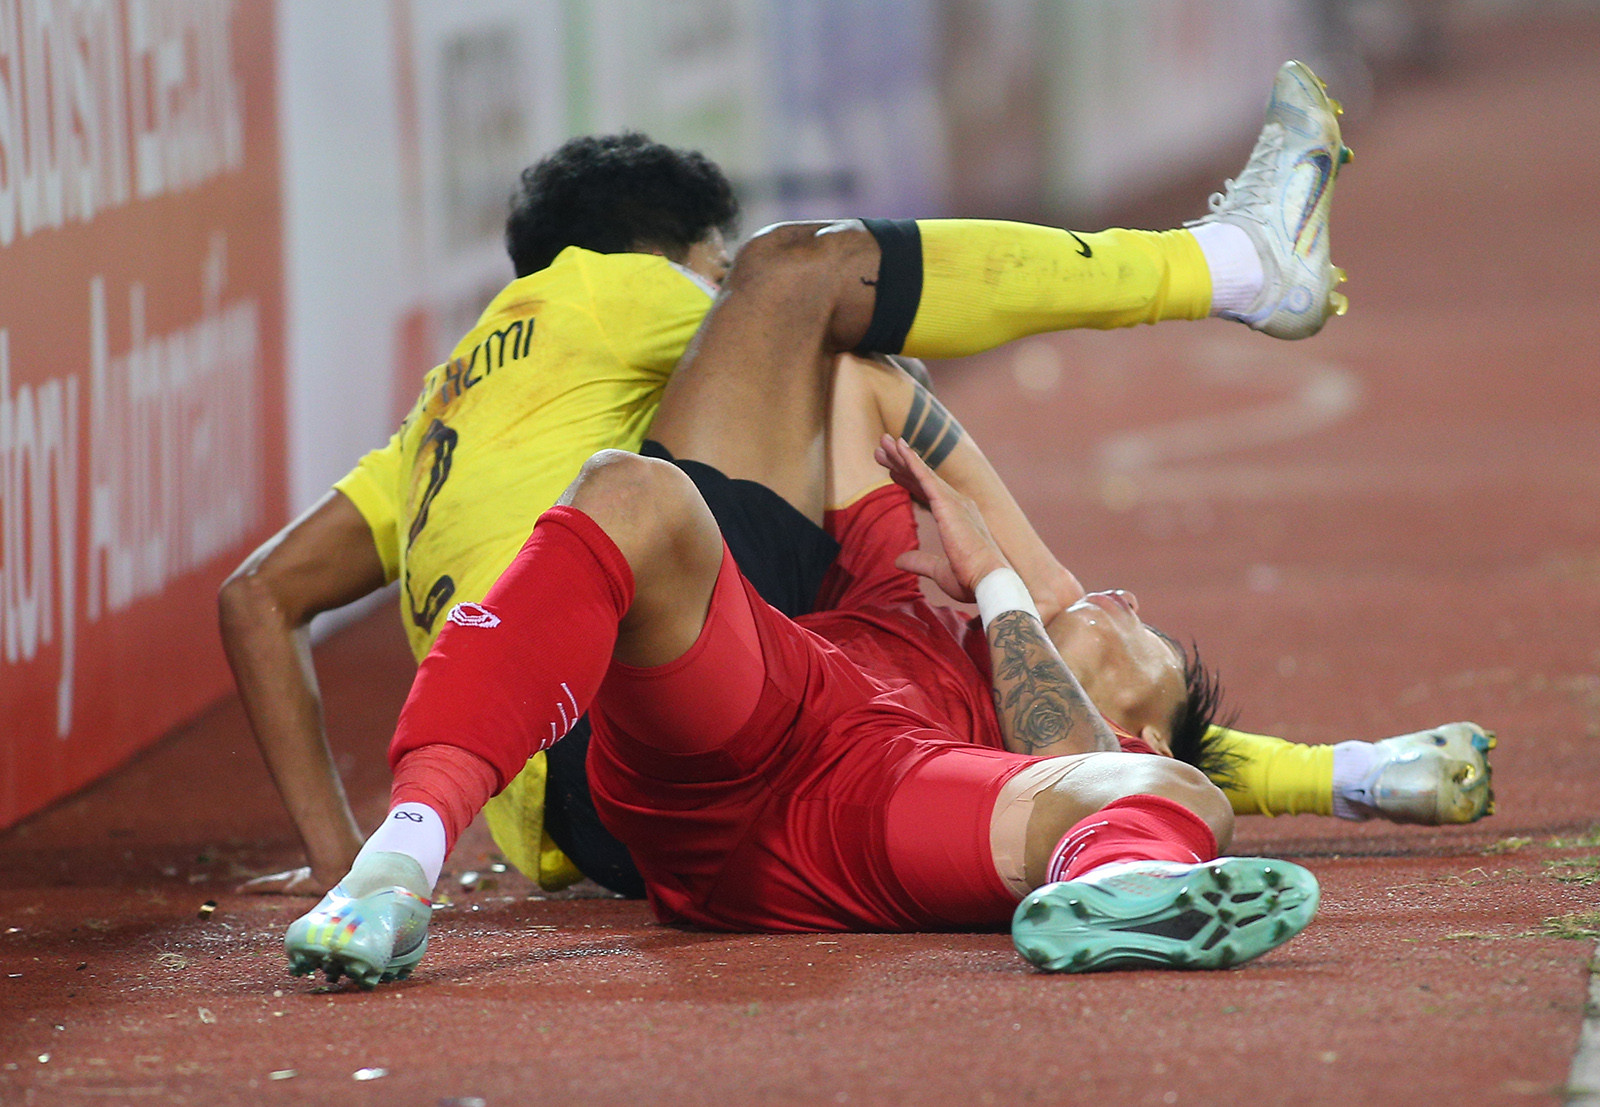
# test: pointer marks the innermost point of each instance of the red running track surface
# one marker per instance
(1391, 526)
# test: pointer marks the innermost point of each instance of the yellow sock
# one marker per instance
(1275, 777)
(986, 282)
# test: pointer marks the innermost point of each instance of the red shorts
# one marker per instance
(765, 781)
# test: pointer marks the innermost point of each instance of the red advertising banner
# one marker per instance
(141, 367)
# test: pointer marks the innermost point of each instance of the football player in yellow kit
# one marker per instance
(617, 244)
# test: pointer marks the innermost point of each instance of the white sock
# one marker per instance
(1236, 273)
(411, 832)
(1353, 763)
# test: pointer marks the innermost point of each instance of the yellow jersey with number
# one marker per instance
(564, 362)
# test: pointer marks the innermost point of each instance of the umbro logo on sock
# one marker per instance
(473, 615)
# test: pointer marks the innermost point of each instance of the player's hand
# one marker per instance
(970, 552)
(290, 882)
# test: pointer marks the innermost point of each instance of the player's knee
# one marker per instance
(648, 507)
(1109, 777)
(618, 489)
(1183, 783)
(792, 253)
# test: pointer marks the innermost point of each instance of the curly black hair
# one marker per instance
(613, 194)
(1195, 721)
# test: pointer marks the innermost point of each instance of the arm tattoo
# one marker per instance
(1042, 709)
(930, 428)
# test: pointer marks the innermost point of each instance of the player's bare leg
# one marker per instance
(751, 394)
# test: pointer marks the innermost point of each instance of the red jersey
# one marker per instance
(935, 659)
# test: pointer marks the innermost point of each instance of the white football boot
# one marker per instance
(1432, 777)
(1282, 200)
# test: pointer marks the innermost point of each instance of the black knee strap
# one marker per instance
(899, 285)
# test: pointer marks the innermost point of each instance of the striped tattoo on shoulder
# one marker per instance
(930, 428)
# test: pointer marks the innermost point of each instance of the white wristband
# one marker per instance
(1000, 591)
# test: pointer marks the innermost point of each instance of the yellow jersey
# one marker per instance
(562, 363)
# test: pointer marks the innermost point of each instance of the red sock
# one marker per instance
(454, 782)
(1134, 828)
(508, 677)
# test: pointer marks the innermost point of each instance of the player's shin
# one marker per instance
(947, 288)
(1269, 776)
(953, 287)
(510, 676)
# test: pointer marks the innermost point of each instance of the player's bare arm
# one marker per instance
(321, 561)
(929, 428)
(1043, 711)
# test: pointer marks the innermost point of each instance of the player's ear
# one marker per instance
(1157, 739)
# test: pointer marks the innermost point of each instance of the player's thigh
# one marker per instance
(750, 395)
(698, 702)
(938, 835)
